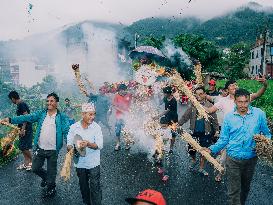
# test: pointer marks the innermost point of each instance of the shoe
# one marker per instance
(117, 147)
(21, 167)
(165, 178)
(43, 183)
(160, 171)
(203, 172)
(49, 193)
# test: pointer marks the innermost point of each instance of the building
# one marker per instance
(9, 73)
(5, 71)
(259, 63)
(14, 73)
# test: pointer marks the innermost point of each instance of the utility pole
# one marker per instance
(136, 38)
(271, 55)
(263, 53)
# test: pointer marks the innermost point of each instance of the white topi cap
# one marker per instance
(88, 107)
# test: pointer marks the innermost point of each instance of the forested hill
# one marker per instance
(243, 24)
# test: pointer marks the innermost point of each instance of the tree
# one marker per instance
(49, 84)
(152, 41)
(237, 59)
(199, 48)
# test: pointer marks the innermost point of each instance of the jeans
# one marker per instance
(119, 126)
(89, 180)
(48, 175)
(239, 176)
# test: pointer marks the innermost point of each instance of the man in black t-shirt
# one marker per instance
(170, 111)
(25, 136)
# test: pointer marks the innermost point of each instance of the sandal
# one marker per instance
(127, 147)
(165, 178)
(203, 172)
(192, 165)
(21, 167)
(160, 171)
(29, 167)
(218, 178)
(117, 147)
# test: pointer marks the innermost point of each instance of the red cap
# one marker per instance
(148, 195)
(212, 82)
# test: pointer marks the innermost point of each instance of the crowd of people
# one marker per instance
(228, 133)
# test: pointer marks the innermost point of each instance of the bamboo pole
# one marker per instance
(76, 69)
(177, 81)
(198, 74)
(188, 138)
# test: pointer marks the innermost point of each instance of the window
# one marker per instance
(256, 69)
(257, 55)
(252, 54)
(252, 71)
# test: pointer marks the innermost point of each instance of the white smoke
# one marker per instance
(174, 53)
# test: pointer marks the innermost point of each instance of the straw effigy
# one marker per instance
(264, 148)
(76, 69)
(66, 169)
(178, 82)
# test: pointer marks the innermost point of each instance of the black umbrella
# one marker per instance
(150, 53)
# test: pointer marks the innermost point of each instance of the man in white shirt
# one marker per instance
(88, 166)
(227, 104)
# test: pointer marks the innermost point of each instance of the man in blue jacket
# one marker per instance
(238, 130)
(52, 128)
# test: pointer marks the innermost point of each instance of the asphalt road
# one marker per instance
(125, 173)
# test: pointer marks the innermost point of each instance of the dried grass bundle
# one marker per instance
(178, 82)
(264, 148)
(77, 73)
(9, 139)
(66, 169)
(188, 138)
(198, 74)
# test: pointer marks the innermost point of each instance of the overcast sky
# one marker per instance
(18, 20)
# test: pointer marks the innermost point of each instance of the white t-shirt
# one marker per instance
(47, 139)
(226, 104)
(219, 113)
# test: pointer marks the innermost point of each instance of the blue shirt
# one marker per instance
(238, 131)
(92, 134)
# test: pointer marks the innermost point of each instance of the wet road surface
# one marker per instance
(125, 173)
